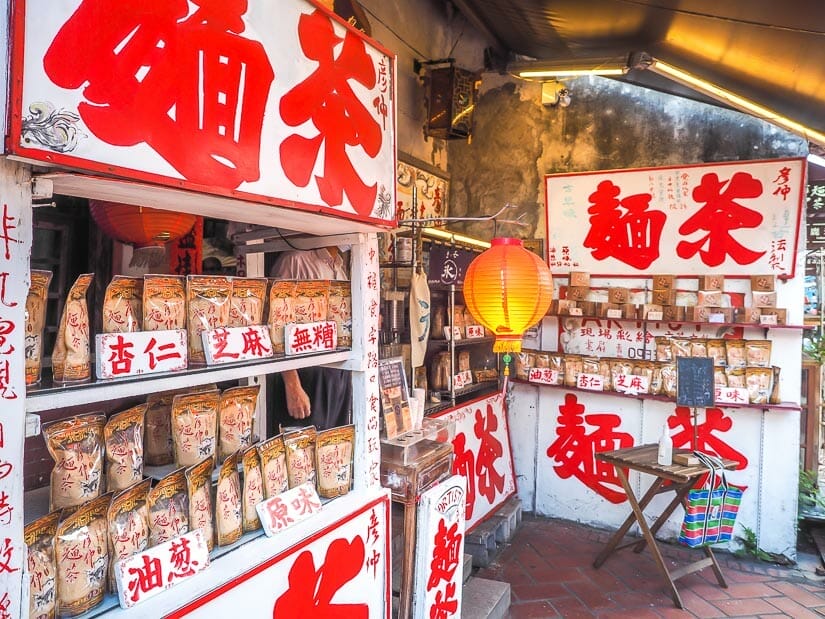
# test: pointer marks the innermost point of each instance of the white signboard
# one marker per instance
(285, 510)
(474, 332)
(255, 100)
(462, 379)
(735, 218)
(310, 337)
(544, 376)
(144, 575)
(228, 344)
(631, 384)
(439, 550)
(731, 395)
(592, 382)
(481, 447)
(342, 571)
(119, 355)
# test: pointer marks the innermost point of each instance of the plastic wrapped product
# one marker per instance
(333, 454)
(128, 519)
(164, 303)
(39, 537)
(207, 308)
(273, 466)
(339, 310)
(123, 305)
(71, 357)
(199, 489)
(123, 440)
(194, 426)
(246, 305)
(168, 508)
(281, 311)
(236, 415)
(253, 488)
(36, 302)
(300, 456)
(76, 445)
(228, 511)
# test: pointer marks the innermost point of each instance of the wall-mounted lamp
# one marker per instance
(555, 93)
(570, 68)
(644, 61)
(451, 95)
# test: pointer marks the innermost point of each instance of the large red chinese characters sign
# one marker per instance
(211, 93)
(737, 218)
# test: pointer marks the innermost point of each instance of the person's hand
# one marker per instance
(297, 400)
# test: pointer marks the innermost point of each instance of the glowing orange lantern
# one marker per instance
(147, 229)
(508, 289)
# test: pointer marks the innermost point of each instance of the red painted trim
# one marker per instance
(231, 584)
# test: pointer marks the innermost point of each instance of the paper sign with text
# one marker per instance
(631, 384)
(544, 376)
(280, 512)
(593, 382)
(731, 395)
(310, 337)
(228, 344)
(474, 332)
(462, 379)
(144, 575)
(120, 355)
(452, 333)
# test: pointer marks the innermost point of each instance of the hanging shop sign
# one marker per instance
(439, 550)
(208, 99)
(119, 355)
(342, 571)
(448, 264)
(482, 455)
(735, 218)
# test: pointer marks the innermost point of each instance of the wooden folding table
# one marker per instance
(682, 478)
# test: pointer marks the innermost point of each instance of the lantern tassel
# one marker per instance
(152, 256)
(507, 345)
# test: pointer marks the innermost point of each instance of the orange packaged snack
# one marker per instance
(333, 454)
(123, 440)
(71, 358)
(273, 466)
(281, 311)
(236, 414)
(128, 520)
(207, 308)
(76, 445)
(164, 303)
(253, 489)
(300, 456)
(168, 508)
(228, 513)
(199, 490)
(123, 305)
(42, 566)
(246, 305)
(194, 426)
(36, 302)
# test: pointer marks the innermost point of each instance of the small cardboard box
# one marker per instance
(780, 312)
(763, 283)
(589, 308)
(564, 306)
(747, 315)
(579, 278)
(663, 296)
(697, 313)
(711, 282)
(661, 282)
(618, 295)
(709, 297)
(673, 312)
(630, 310)
(764, 299)
(578, 293)
(650, 311)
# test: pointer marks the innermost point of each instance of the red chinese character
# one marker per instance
(445, 554)
(5, 602)
(253, 344)
(464, 465)
(121, 358)
(153, 360)
(5, 469)
(278, 513)
(372, 528)
(623, 229)
(372, 562)
(720, 215)
(5, 235)
(305, 503)
(445, 604)
(146, 578)
(185, 84)
(311, 590)
(181, 560)
(3, 278)
(322, 335)
(220, 339)
(715, 421)
(326, 98)
(574, 449)
(6, 328)
(490, 481)
(5, 508)
(6, 391)
(301, 339)
(6, 560)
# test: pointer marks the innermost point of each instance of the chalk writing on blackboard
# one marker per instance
(694, 382)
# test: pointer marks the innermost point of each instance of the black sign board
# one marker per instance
(448, 265)
(694, 382)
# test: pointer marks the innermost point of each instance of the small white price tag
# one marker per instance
(716, 318)
(575, 311)
(614, 313)
(462, 379)
(474, 332)
(654, 315)
(767, 319)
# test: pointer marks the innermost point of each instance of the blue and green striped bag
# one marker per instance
(710, 511)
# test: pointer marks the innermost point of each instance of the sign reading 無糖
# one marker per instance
(310, 337)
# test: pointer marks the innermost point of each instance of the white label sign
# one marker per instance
(144, 575)
(544, 376)
(142, 352)
(767, 319)
(731, 395)
(475, 332)
(452, 333)
(462, 379)
(310, 337)
(716, 318)
(631, 384)
(592, 382)
(280, 512)
(228, 344)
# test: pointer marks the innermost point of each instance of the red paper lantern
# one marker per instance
(147, 229)
(508, 289)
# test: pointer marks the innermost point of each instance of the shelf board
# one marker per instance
(790, 406)
(48, 397)
(746, 325)
(468, 389)
(439, 343)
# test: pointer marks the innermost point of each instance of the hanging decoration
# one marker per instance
(147, 229)
(508, 289)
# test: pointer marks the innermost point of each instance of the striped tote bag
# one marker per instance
(710, 511)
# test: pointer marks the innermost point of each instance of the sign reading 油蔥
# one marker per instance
(736, 218)
(209, 96)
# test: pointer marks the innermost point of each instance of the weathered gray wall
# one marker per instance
(608, 125)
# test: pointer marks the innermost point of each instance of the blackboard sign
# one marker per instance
(448, 265)
(694, 382)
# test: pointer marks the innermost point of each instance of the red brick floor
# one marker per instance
(549, 565)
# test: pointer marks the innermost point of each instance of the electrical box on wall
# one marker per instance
(451, 98)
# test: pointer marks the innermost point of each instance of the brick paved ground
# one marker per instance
(549, 567)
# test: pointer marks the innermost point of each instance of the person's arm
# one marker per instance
(297, 400)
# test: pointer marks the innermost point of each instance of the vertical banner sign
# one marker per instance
(15, 246)
(736, 218)
(275, 102)
(815, 222)
(440, 550)
(482, 455)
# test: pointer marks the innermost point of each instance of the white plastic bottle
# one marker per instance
(665, 447)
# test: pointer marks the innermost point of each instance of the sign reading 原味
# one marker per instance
(276, 102)
(735, 218)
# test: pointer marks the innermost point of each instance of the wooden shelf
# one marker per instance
(439, 343)
(746, 325)
(790, 406)
(48, 397)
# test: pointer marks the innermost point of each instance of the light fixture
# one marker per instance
(507, 289)
(555, 93)
(720, 94)
(452, 237)
(816, 160)
(570, 67)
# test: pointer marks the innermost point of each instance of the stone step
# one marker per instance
(487, 538)
(485, 599)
